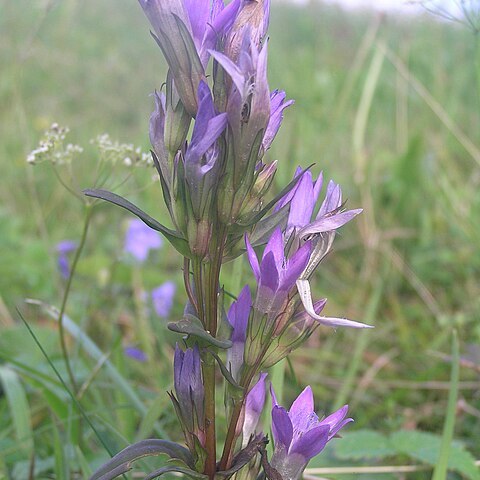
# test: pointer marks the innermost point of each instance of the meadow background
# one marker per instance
(386, 105)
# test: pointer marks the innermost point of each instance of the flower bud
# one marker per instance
(254, 199)
(170, 21)
(253, 16)
(199, 236)
(177, 120)
(189, 390)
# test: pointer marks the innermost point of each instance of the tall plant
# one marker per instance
(209, 131)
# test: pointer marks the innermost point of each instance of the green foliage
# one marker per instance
(364, 444)
(409, 265)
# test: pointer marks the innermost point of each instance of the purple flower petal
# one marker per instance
(140, 239)
(135, 353)
(295, 266)
(238, 315)
(162, 298)
(282, 428)
(253, 408)
(327, 224)
(269, 273)
(66, 246)
(277, 106)
(311, 443)
(302, 407)
(252, 258)
(275, 247)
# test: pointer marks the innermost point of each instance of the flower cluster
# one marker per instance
(209, 134)
(52, 147)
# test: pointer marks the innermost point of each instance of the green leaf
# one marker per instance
(363, 444)
(61, 463)
(272, 202)
(19, 408)
(96, 354)
(426, 446)
(173, 237)
(440, 472)
(226, 372)
(191, 325)
(185, 471)
(122, 461)
(265, 227)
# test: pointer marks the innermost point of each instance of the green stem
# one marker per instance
(61, 330)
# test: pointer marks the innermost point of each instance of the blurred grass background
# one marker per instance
(388, 106)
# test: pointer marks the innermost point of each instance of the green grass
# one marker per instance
(387, 107)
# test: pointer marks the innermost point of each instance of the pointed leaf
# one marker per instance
(173, 237)
(266, 226)
(226, 372)
(245, 455)
(185, 471)
(191, 325)
(277, 198)
(123, 460)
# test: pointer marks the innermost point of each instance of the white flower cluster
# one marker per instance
(125, 153)
(52, 147)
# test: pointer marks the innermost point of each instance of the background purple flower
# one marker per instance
(63, 248)
(135, 353)
(162, 298)
(140, 239)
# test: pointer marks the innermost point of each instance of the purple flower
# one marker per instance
(238, 318)
(135, 353)
(202, 152)
(319, 232)
(299, 435)
(254, 404)
(162, 298)
(277, 106)
(63, 248)
(185, 31)
(275, 274)
(189, 390)
(248, 105)
(140, 239)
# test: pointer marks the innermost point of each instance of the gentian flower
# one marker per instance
(319, 232)
(248, 110)
(140, 239)
(202, 152)
(190, 394)
(185, 31)
(63, 248)
(299, 435)
(238, 318)
(162, 298)
(275, 274)
(135, 353)
(253, 408)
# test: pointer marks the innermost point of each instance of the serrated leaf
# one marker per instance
(122, 461)
(363, 444)
(191, 325)
(173, 237)
(425, 447)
